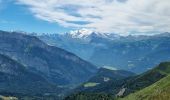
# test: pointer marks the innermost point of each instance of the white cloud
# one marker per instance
(120, 16)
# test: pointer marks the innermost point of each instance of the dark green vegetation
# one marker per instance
(105, 74)
(104, 81)
(151, 85)
(90, 96)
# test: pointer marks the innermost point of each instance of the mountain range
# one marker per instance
(42, 67)
(133, 53)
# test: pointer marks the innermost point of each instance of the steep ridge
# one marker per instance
(156, 91)
(15, 79)
(148, 78)
(54, 64)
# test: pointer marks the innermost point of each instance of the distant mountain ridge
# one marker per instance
(133, 52)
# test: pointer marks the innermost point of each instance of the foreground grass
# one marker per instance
(158, 91)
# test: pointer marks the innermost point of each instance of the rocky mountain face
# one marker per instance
(133, 53)
(54, 64)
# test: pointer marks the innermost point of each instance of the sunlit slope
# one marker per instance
(157, 91)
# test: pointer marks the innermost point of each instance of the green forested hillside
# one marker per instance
(151, 85)
(105, 80)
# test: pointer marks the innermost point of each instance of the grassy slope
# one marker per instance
(146, 79)
(8, 98)
(158, 91)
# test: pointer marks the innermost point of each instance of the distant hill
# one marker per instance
(102, 80)
(105, 74)
(54, 64)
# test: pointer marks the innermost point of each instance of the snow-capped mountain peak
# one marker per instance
(87, 35)
(83, 33)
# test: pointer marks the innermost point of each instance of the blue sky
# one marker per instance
(59, 16)
(18, 18)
